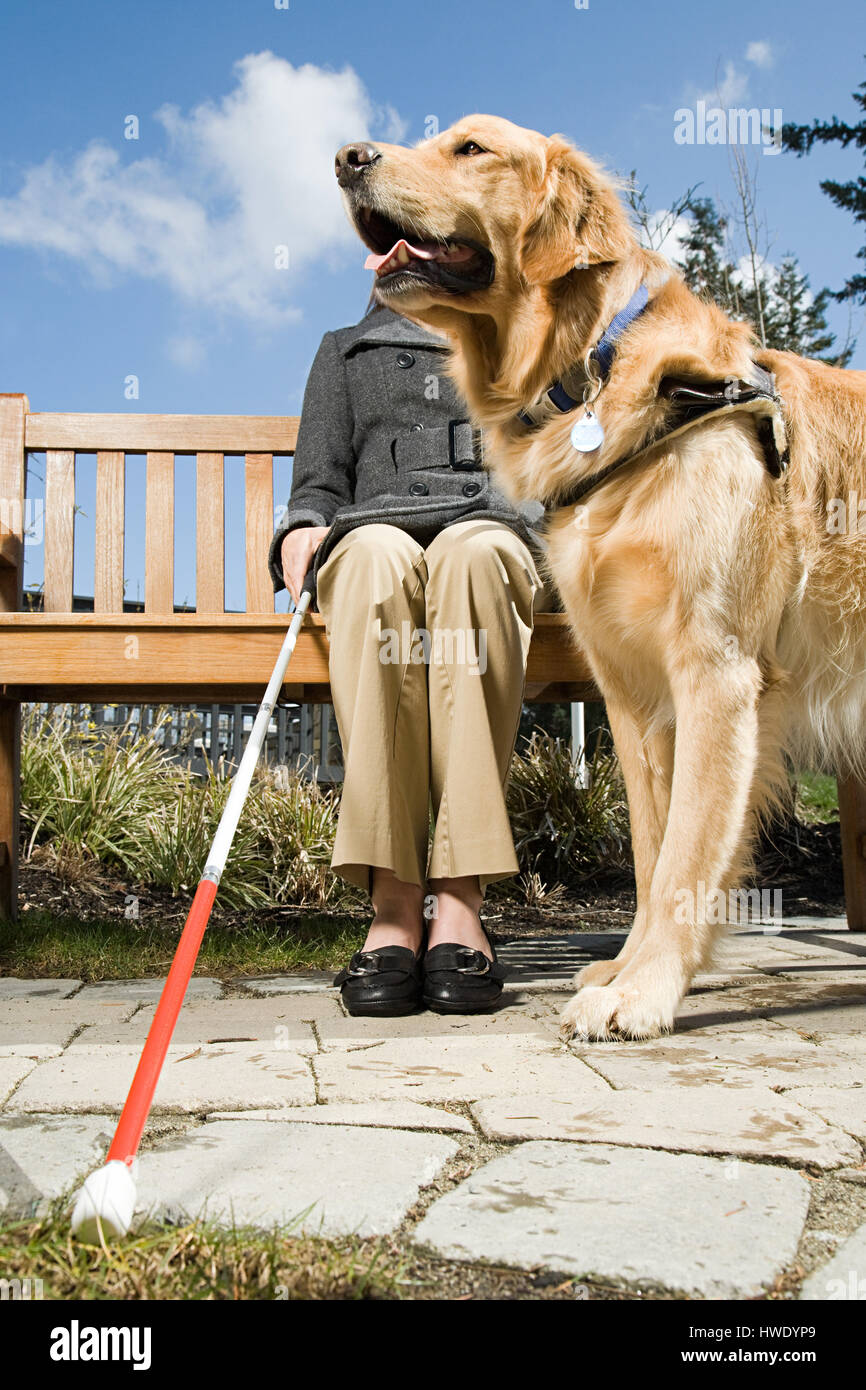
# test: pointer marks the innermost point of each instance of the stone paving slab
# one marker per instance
(758, 948)
(311, 981)
(843, 1106)
(708, 1120)
(782, 1059)
(37, 1052)
(818, 973)
(26, 1025)
(821, 1008)
(110, 991)
(14, 988)
(843, 1279)
(849, 945)
(722, 979)
(708, 1013)
(241, 1076)
(729, 1009)
(626, 1215)
(776, 954)
(520, 984)
(268, 1021)
(12, 1071)
(798, 929)
(852, 1044)
(44, 1156)
(383, 1114)
(258, 1173)
(516, 1021)
(438, 1069)
(813, 946)
(823, 925)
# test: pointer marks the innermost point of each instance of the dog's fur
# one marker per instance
(724, 623)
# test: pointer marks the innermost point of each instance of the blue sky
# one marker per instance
(154, 257)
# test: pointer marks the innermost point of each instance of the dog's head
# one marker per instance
(472, 216)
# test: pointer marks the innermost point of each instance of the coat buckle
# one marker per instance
(465, 446)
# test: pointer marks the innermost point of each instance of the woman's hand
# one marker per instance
(296, 555)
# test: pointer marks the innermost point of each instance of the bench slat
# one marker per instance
(194, 650)
(108, 568)
(13, 418)
(209, 534)
(10, 551)
(159, 534)
(178, 434)
(259, 530)
(59, 529)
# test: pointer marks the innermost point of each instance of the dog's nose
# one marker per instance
(354, 160)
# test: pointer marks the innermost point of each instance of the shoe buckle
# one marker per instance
(480, 965)
(365, 963)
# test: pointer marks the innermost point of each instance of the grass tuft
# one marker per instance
(44, 944)
(198, 1261)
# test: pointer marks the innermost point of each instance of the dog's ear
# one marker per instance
(577, 221)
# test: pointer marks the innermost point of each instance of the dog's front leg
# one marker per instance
(646, 758)
(714, 765)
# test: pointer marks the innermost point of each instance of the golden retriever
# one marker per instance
(722, 608)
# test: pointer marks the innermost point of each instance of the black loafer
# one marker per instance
(458, 980)
(383, 983)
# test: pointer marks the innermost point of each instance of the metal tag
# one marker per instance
(587, 434)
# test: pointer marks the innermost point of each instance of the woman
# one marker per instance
(427, 583)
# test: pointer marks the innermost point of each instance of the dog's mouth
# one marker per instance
(403, 257)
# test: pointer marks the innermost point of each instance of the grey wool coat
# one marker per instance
(385, 437)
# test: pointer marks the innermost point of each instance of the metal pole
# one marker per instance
(578, 743)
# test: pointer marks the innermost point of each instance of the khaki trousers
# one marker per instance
(427, 665)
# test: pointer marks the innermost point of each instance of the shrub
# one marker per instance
(118, 803)
(110, 801)
(564, 833)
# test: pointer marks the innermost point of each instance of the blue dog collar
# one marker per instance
(605, 349)
(602, 356)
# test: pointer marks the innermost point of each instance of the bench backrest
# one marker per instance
(179, 656)
(152, 442)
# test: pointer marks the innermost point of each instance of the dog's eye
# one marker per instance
(469, 147)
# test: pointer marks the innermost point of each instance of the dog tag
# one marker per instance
(587, 435)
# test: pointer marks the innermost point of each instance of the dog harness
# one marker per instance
(691, 402)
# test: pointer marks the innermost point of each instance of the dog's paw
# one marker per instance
(601, 972)
(617, 1011)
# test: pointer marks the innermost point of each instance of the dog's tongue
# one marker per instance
(402, 252)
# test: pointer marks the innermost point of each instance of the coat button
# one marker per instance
(419, 489)
(471, 489)
(405, 359)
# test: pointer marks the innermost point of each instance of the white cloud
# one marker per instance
(186, 351)
(729, 89)
(760, 53)
(665, 233)
(764, 270)
(733, 86)
(239, 177)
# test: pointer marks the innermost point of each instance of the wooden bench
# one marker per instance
(207, 656)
